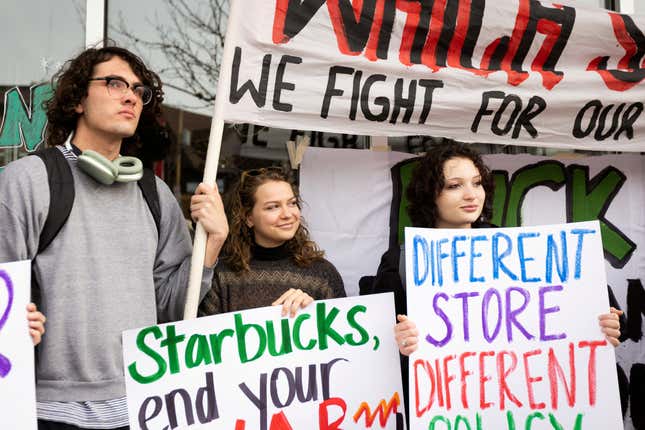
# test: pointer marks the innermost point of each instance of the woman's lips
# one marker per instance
(470, 208)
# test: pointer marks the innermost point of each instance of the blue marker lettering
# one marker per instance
(474, 255)
(497, 258)
(552, 255)
(419, 250)
(523, 257)
(581, 233)
(455, 257)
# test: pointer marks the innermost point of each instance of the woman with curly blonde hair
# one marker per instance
(268, 257)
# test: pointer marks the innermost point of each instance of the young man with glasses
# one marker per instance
(110, 267)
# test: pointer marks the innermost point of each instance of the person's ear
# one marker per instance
(79, 108)
(249, 221)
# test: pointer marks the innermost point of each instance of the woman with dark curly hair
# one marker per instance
(268, 257)
(432, 183)
(451, 187)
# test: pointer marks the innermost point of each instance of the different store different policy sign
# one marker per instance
(508, 322)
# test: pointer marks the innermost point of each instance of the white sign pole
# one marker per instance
(210, 169)
(94, 23)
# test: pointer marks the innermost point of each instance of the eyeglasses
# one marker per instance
(261, 171)
(117, 87)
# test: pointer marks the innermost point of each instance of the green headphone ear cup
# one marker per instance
(130, 169)
(133, 177)
(97, 166)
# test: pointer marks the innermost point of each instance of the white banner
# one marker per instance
(17, 383)
(335, 365)
(519, 72)
(508, 329)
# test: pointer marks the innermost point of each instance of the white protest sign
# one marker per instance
(519, 72)
(335, 365)
(17, 383)
(509, 333)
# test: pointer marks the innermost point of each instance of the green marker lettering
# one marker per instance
(285, 347)
(216, 341)
(241, 329)
(351, 320)
(170, 342)
(530, 418)
(296, 333)
(141, 345)
(510, 420)
(197, 351)
(324, 322)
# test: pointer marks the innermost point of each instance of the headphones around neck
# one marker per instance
(122, 169)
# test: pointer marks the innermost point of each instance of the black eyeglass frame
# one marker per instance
(145, 96)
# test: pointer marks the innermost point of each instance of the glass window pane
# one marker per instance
(38, 36)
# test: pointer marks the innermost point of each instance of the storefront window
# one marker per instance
(37, 38)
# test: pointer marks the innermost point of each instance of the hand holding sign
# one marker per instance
(610, 324)
(292, 300)
(36, 323)
(406, 335)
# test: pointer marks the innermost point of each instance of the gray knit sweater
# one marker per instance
(107, 270)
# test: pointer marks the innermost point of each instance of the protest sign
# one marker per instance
(509, 333)
(17, 384)
(520, 72)
(352, 209)
(332, 366)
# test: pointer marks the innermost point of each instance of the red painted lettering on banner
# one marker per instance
(631, 71)
(438, 34)
(352, 23)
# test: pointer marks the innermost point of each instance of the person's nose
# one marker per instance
(469, 192)
(285, 213)
(130, 97)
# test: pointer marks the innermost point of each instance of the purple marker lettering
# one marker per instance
(5, 364)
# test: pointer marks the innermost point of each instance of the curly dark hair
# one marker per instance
(428, 181)
(239, 203)
(70, 86)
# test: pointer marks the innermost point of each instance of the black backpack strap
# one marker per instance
(61, 200)
(148, 185)
(61, 194)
